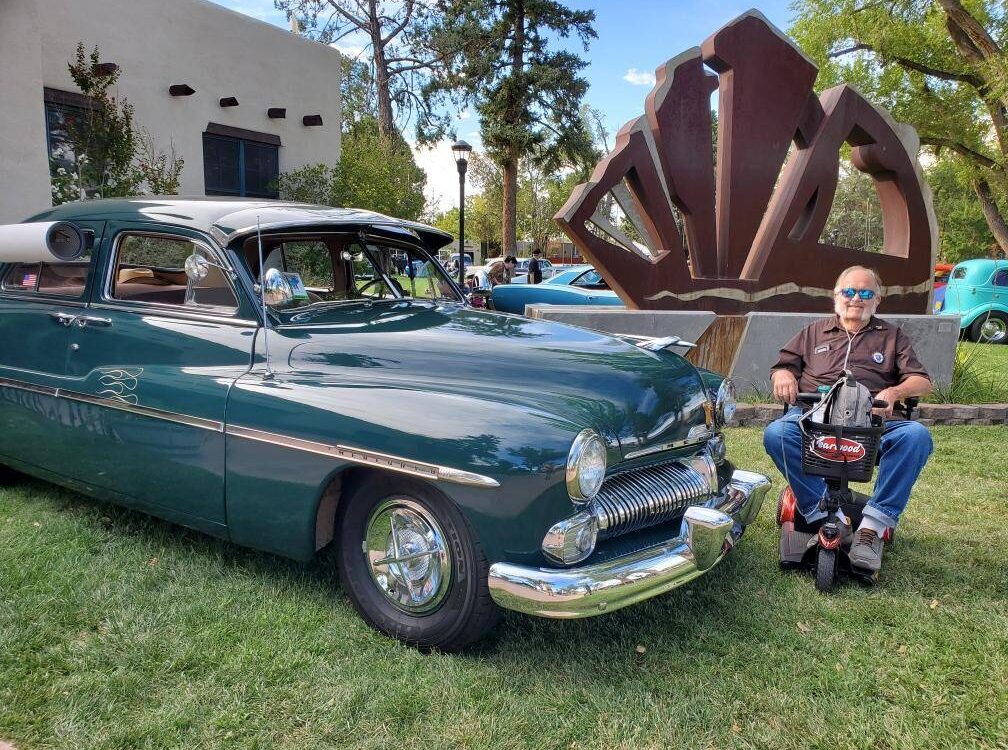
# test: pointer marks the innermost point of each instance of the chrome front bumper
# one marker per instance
(706, 535)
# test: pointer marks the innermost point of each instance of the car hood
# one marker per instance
(638, 399)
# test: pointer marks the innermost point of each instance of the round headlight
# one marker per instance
(724, 402)
(586, 466)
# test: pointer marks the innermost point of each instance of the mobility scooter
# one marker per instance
(840, 441)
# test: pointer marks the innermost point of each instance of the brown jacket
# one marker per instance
(881, 355)
(498, 273)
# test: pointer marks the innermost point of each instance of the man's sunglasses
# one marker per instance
(850, 293)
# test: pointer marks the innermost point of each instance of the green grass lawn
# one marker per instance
(118, 631)
(979, 376)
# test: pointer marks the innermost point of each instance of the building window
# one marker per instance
(240, 162)
(61, 109)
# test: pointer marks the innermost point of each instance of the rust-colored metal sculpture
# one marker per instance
(746, 236)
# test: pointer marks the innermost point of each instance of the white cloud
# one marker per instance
(442, 175)
(353, 51)
(639, 77)
(465, 114)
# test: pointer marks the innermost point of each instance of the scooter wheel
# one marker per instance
(825, 572)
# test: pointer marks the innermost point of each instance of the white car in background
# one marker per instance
(521, 270)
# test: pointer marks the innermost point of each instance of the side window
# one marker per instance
(959, 273)
(151, 269)
(1001, 277)
(56, 279)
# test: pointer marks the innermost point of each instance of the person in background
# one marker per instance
(881, 358)
(535, 267)
(501, 271)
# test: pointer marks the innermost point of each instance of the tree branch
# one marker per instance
(359, 23)
(962, 149)
(904, 62)
(982, 41)
(407, 15)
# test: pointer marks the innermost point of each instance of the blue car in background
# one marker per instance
(580, 285)
(978, 292)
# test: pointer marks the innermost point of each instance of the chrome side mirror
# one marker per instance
(196, 267)
(276, 290)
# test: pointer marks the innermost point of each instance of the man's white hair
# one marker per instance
(872, 271)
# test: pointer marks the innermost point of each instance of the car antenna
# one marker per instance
(268, 375)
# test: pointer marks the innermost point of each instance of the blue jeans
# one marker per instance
(904, 450)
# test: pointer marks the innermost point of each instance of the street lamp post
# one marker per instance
(461, 150)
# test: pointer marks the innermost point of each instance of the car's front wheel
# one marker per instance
(412, 566)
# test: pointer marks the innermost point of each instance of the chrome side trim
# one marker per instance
(364, 457)
(175, 313)
(698, 439)
(433, 472)
(705, 536)
(29, 387)
(213, 425)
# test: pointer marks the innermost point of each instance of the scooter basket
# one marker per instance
(830, 451)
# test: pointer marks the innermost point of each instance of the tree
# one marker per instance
(937, 65)
(964, 231)
(497, 57)
(401, 60)
(855, 219)
(374, 172)
(109, 154)
(357, 95)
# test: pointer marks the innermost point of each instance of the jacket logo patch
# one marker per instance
(821, 349)
(878, 357)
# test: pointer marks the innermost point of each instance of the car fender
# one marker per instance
(973, 313)
(290, 437)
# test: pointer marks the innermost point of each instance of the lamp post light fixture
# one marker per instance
(461, 150)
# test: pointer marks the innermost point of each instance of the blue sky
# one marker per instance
(634, 38)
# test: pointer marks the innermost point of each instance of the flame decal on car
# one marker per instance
(120, 384)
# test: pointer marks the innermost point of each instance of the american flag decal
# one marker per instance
(29, 280)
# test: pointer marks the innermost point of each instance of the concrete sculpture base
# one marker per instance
(745, 346)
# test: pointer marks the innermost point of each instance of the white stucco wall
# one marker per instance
(24, 162)
(157, 43)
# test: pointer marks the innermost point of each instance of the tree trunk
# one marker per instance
(991, 212)
(386, 123)
(510, 162)
(510, 204)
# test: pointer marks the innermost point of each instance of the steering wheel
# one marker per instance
(395, 285)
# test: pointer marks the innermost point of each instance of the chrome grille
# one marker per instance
(638, 498)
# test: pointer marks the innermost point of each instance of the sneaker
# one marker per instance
(866, 552)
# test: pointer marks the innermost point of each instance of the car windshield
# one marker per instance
(337, 268)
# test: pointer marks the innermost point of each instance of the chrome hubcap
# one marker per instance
(407, 555)
(994, 330)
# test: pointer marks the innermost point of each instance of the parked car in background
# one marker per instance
(941, 277)
(585, 287)
(977, 291)
(264, 372)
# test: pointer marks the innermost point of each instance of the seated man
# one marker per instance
(882, 359)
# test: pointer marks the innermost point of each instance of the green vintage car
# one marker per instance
(280, 375)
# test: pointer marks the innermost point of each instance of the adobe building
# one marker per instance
(239, 100)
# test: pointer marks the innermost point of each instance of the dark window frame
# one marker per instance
(246, 140)
(64, 103)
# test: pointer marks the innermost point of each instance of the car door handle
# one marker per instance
(63, 319)
(83, 321)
